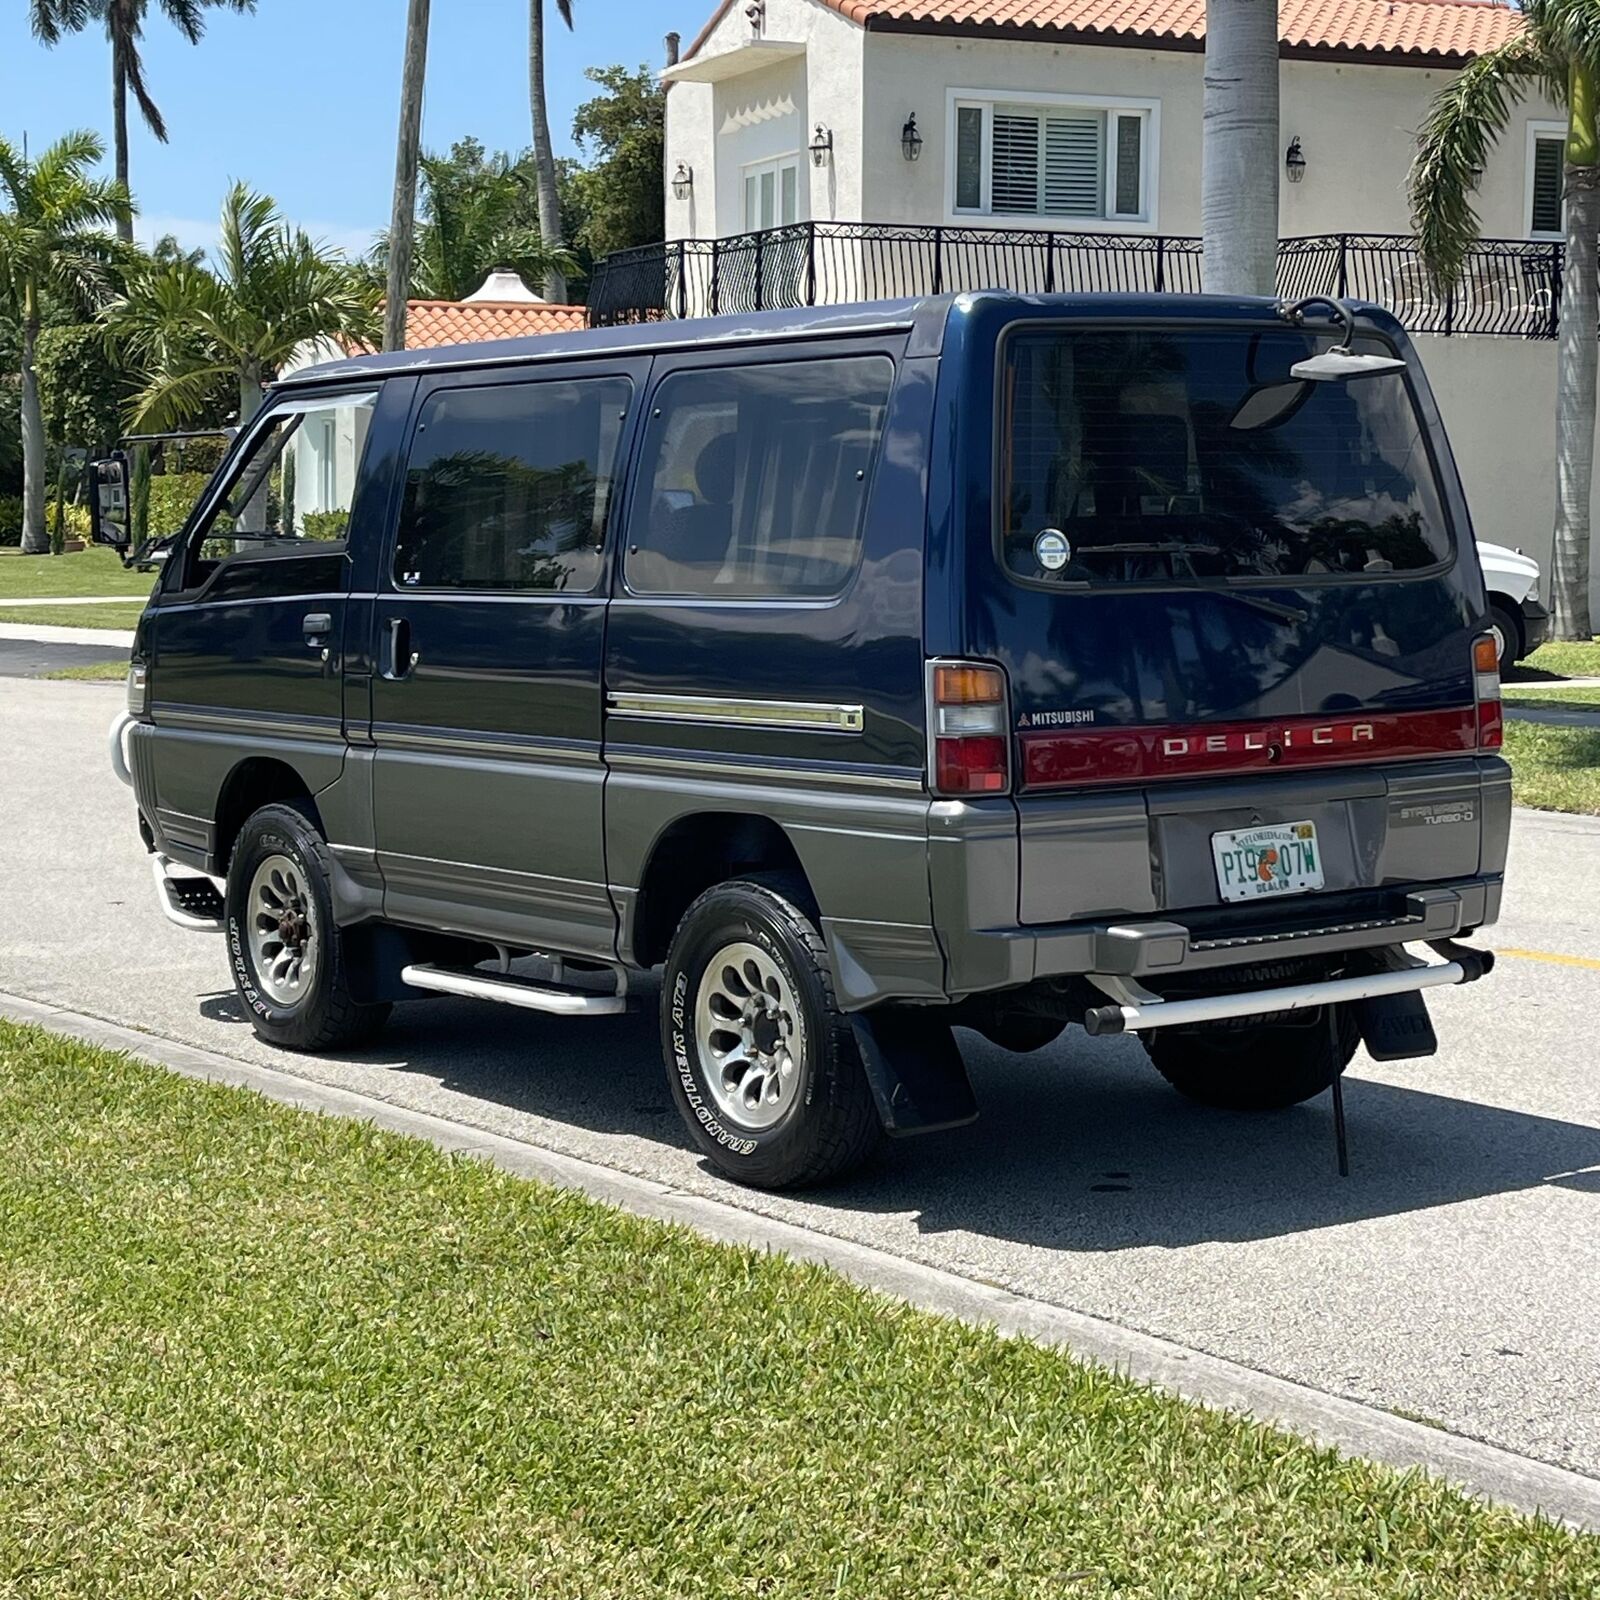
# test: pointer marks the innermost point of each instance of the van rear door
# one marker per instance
(1237, 610)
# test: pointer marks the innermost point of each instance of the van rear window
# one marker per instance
(1185, 456)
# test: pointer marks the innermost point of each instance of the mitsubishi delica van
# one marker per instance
(1003, 662)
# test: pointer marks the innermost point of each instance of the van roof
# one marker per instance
(882, 316)
(926, 318)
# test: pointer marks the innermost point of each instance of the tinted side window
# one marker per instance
(508, 487)
(754, 479)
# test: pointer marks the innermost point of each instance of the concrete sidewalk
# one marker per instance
(49, 633)
(72, 600)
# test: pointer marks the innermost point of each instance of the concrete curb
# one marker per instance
(1482, 1470)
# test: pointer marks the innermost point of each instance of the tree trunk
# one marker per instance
(1576, 353)
(1239, 154)
(403, 218)
(35, 536)
(119, 130)
(253, 516)
(544, 156)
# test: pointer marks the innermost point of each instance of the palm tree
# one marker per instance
(403, 217)
(51, 243)
(124, 25)
(1239, 152)
(273, 290)
(473, 219)
(1558, 50)
(544, 155)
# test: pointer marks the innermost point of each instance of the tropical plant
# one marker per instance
(123, 21)
(477, 213)
(1239, 148)
(273, 290)
(544, 155)
(408, 151)
(52, 243)
(1558, 51)
(621, 194)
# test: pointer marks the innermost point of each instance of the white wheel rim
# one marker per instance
(284, 946)
(750, 1036)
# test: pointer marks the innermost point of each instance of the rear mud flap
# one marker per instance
(918, 1078)
(1396, 1027)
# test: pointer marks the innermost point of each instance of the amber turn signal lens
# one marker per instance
(968, 685)
(1485, 657)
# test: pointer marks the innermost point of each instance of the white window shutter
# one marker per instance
(1016, 163)
(1074, 165)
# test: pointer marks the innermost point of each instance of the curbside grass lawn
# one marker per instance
(94, 571)
(249, 1352)
(1554, 768)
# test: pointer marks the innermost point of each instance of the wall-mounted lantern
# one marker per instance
(911, 140)
(1294, 160)
(821, 146)
(683, 181)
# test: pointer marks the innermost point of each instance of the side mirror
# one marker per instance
(110, 521)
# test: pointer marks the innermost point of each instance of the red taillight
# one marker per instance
(1486, 686)
(969, 739)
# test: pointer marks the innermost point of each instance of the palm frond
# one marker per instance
(187, 16)
(1466, 118)
(133, 67)
(564, 10)
(1567, 29)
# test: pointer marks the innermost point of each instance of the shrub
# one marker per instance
(325, 524)
(172, 498)
(10, 519)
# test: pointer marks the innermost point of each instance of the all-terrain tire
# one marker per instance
(823, 1121)
(325, 1015)
(1262, 1065)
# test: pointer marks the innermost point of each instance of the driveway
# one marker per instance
(1455, 1276)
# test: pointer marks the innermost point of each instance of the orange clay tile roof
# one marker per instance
(435, 322)
(1422, 31)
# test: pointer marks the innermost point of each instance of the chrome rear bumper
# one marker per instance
(1139, 1011)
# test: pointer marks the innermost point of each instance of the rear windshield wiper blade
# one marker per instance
(1166, 547)
(1276, 609)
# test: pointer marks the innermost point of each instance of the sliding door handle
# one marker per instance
(398, 656)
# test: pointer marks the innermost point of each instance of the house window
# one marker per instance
(772, 194)
(1546, 179)
(1088, 162)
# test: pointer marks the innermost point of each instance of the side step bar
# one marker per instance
(513, 991)
(1139, 1010)
(189, 900)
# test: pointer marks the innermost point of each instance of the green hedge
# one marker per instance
(172, 498)
(10, 519)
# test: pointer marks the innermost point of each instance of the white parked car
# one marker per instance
(1516, 614)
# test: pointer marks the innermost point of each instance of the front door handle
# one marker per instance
(316, 625)
(398, 656)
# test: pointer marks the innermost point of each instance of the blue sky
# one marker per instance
(301, 99)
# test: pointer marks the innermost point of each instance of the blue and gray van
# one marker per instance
(989, 661)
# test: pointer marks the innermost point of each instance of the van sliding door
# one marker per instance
(489, 625)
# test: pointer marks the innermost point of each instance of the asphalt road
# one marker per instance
(28, 658)
(1455, 1276)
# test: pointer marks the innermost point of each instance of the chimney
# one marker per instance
(673, 41)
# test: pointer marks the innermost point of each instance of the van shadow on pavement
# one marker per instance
(1079, 1147)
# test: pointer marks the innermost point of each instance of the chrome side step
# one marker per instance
(513, 991)
(190, 900)
(1139, 1011)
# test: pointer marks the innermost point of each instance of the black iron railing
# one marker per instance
(1507, 286)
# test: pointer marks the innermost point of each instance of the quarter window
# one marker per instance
(1086, 162)
(509, 486)
(293, 487)
(754, 480)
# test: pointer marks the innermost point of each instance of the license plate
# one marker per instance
(1278, 858)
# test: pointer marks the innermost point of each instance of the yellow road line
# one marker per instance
(1559, 960)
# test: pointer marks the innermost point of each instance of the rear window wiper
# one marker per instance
(1276, 609)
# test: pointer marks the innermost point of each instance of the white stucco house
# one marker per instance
(1068, 114)
(883, 147)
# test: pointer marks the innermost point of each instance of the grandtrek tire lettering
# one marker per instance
(748, 987)
(276, 843)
